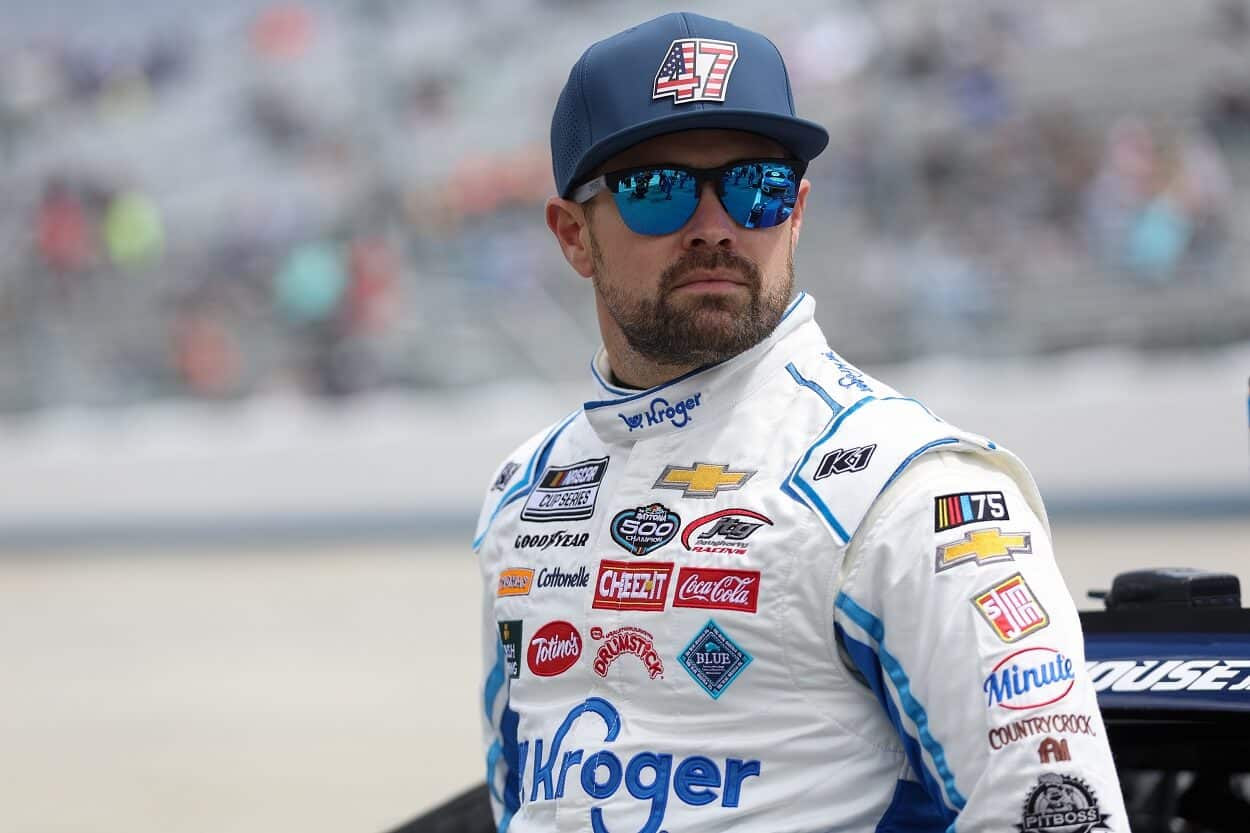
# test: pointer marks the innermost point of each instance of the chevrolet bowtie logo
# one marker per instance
(984, 546)
(702, 479)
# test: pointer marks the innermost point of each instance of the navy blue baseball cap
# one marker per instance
(680, 71)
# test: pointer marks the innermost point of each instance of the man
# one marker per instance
(746, 586)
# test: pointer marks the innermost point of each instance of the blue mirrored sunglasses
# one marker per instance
(661, 198)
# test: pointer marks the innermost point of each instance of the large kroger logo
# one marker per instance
(648, 776)
(660, 411)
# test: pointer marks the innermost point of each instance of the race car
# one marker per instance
(774, 182)
(1170, 659)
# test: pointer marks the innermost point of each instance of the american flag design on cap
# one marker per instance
(695, 69)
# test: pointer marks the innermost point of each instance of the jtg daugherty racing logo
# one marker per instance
(661, 411)
(647, 776)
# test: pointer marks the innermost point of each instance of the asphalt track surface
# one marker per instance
(323, 689)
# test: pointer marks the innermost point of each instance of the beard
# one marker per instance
(701, 329)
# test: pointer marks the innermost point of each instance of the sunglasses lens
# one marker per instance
(654, 201)
(760, 194)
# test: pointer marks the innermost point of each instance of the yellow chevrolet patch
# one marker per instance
(984, 546)
(702, 479)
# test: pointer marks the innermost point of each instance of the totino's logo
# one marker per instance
(1029, 679)
(515, 581)
(724, 532)
(652, 776)
(626, 585)
(554, 649)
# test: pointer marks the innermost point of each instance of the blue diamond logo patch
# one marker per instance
(713, 659)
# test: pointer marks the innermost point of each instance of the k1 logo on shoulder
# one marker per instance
(645, 529)
(844, 461)
(510, 636)
(660, 412)
(1062, 804)
(951, 511)
(566, 493)
(653, 776)
(713, 659)
(726, 531)
(1011, 609)
(983, 546)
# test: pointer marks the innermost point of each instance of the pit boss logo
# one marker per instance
(566, 493)
(645, 529)
(1011, 609)
(626, 585)
(555, 648)
(717, 589)
(660, 412)
(626, 640)
(702, 480)
(713, 659)
(984, 546)
(650, 776)
(1061, 804)
(844, 461)
(1029, 679)
(951, 511)
(510, 636)
(695, 69)
(725, 532)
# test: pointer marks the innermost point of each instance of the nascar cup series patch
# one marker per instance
(566, 493)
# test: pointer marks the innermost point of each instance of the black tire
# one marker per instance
(468, 812)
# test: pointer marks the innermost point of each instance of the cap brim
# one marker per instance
(804, 139)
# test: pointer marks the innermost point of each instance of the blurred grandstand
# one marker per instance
(218, 201)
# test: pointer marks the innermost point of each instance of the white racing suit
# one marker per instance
(775, 595)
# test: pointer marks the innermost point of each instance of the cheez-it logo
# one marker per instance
(984, 546)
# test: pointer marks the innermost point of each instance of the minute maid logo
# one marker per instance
(660, 411)
(647, 776)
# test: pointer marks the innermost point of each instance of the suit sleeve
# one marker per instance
(952, 608)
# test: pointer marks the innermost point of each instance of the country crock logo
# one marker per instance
(1029, 679)
(627, 585)
(726, 533)
(1029, 727)
(713, 589)
(626, 640)
(645, 529)
(1061, 804)
(515, 581)
(566, 492)
(702, 480)
(554, 649)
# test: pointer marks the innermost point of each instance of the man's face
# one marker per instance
(708, 291)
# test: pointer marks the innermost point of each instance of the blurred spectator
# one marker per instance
(133, 230)
(64, 232)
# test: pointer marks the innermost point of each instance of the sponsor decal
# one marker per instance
(702, 480)
(566, 493)
(726, 531)
(713, 659)
(844, 461)
(554, 649)
(555, 577)
(626, 640)
(717, 589)
(984, 546)
(951, 511)
(1051, 751)
(1028, 727)
(560, 539)
(1061, 804)
(628, 585)
(505, 474)
(653, 776)
(515, 581)
(695, 69)
(1011, 609)
(852, 377)
(510, 636)
(660, 412)
(1029, 679)
(1170, 675)
(645, 529)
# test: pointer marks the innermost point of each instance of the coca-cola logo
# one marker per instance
(554, 649)
(714, 589)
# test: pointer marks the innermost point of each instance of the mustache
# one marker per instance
(710, 259)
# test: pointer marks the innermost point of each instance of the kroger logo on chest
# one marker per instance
(661, 411)
(648, 775)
